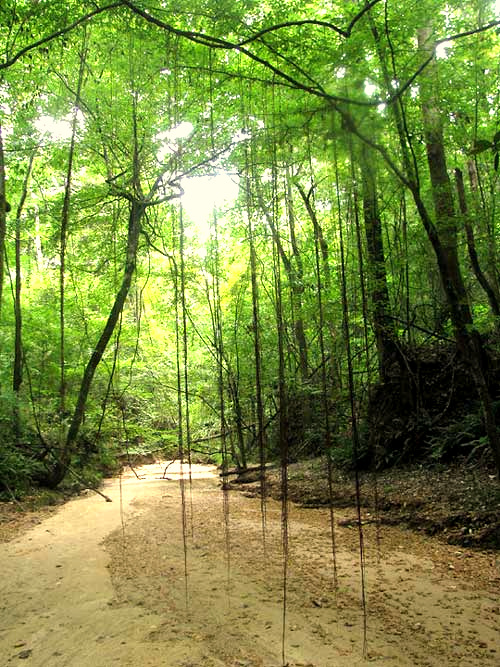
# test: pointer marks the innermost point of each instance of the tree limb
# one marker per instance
(58, 33)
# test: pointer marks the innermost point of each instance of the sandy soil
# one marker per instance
(98, 584)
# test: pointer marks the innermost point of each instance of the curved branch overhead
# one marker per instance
(212, 41)
(58, 33)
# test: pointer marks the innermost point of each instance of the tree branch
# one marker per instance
(220, 43)
(58, 33)
(314, 22)
(468, 33)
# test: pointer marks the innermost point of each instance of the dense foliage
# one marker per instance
(247, 230)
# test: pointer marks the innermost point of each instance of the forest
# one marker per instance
(245, 232)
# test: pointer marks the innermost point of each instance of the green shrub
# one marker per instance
(464, 436)
(16, 471)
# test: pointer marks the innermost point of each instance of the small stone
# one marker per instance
(25, 654)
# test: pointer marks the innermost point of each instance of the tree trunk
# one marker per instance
(483, 218)
(294, 271)
(319, 236)
(443, 238)
(383, 325)
(409, 159)
(296, 278)
(257, 352)
(63, 238)
(241, 458)
(471, 246)
(56, 475)
(322, 244)
(17, 375)
(3, 216)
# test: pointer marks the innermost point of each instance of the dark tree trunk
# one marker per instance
(55, 476)
(471, 246)
(322, 245)
(18, 355)
(383, 324)
(294, 271)
(3, 216)
(296, 278)
(257, 354)
(485, 220)
(63, 239)
(17, 375)
(443, 238)
(238, 419)
(318, 234)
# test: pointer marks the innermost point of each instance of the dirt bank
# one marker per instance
(458, 502)
(68, 599)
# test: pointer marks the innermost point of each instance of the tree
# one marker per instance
(311, 107)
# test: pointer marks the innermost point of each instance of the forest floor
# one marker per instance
(95, 584)
(459, 503)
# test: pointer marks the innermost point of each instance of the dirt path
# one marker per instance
(83, 590)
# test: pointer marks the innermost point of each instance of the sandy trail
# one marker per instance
(82, 589)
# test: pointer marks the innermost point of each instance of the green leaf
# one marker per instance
(496, 139)
(495, 163)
